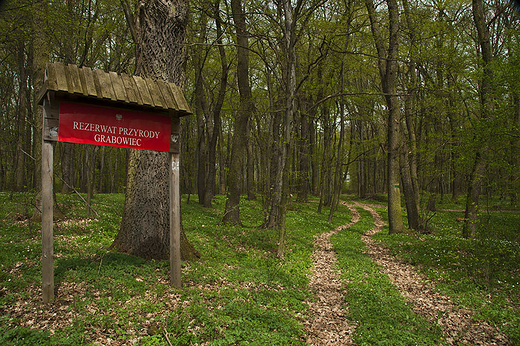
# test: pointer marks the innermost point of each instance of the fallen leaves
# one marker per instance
(458, 324)
(329, 325)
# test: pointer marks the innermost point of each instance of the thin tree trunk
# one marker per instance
(250, 170)
(327, 158)
(201, 108)
(388, 71)
(90, 159)
(338, 181)
(240, 136)
(338, 174)
(201, 154)
(479, 166)
(19, 171)
(469, 229)
(303, 167)
(363, 167)
(222, 164)
(101, 170)
(280, 198)
(313, 157)
(338, 177)
(216, 130)
(514, 158)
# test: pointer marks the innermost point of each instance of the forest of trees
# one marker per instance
(292, 98)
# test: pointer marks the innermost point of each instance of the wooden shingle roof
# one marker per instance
(70, 81)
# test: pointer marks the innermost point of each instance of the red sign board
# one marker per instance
(83, 123)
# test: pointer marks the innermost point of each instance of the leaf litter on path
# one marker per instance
(329, 325)
(457, 323)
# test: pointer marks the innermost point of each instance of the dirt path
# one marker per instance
(457, 323)
(329, 325)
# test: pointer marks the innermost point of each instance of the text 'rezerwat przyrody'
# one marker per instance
(111, 134)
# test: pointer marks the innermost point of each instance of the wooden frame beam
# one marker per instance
(47, 210)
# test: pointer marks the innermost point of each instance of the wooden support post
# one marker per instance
(47, 217)
(175, 223)
(175, 208)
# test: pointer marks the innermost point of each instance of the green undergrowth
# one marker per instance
(487, 202)
(481, 274)
(237, 293)
(377, 309)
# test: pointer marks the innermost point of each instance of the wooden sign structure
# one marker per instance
(81, 105)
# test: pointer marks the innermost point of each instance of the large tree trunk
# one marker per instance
(412, 203)
(145, 223)
(395, 218)
(240, 128)
(408, 161)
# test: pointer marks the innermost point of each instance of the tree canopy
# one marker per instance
(293, 98)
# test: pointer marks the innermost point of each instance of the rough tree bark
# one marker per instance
(159, 34)
(412, 203)
(41, 57)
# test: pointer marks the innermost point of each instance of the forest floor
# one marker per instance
(330, 325)
(345, 282)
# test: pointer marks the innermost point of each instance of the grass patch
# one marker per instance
(238, 293)
(381, 315)
(481, 274)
